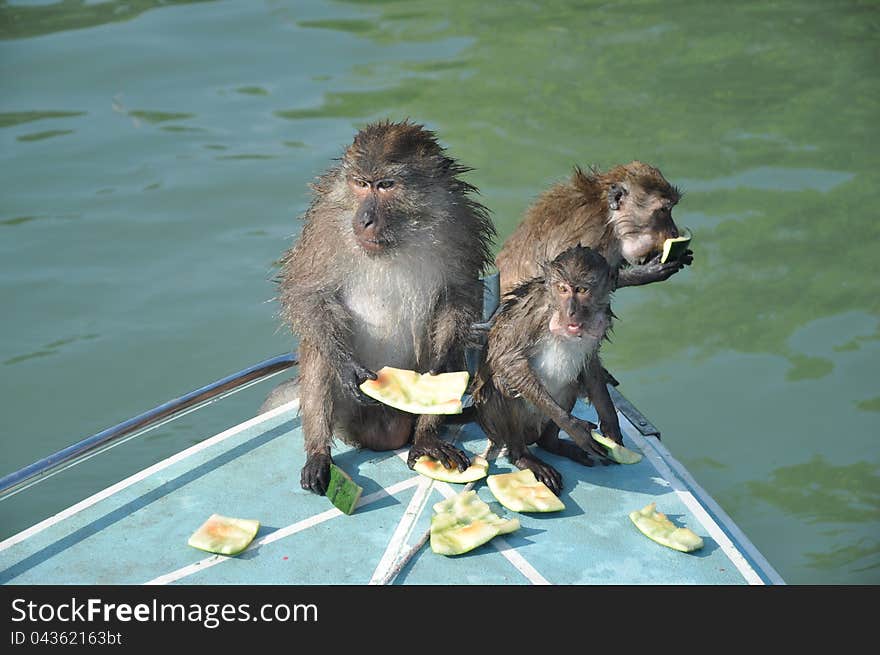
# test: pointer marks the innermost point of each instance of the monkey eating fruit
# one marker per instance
(542, 353)
(386, 272)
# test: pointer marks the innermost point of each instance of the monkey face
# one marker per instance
(395, 177)
(578, 315)
(371, 224)
(579, 286)
(643, 221)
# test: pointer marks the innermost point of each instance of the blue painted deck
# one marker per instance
(136, 531)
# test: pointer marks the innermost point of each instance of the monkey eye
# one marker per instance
(562, 288)
(385, 184)
(581, 290)
(363, 184)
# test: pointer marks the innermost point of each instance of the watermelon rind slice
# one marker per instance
(431, 468)
(672, 248)
(342, 491)
(620, 454)
(464, 522)
(224, 535)
(657, 527)
(418, 393)
(521, 491)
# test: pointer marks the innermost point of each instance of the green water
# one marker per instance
(155, 155)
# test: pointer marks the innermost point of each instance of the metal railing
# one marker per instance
(23, 478)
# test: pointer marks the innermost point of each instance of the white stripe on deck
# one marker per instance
(659, 461)
(712, 504)
(280, 533)
(293, 405)
(510, 554)
(403, 530)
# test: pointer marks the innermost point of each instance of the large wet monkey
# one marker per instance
(625, 214)
(386, 272)
(543, 352)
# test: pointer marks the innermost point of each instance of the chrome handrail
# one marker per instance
(14, 482)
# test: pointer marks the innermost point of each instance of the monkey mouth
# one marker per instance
(574, 330)
(566, 329)
(371, 245)
(647, 257)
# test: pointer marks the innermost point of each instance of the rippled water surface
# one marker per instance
(155, 156)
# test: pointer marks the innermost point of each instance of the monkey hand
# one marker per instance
(435, 448)
(652, 271)
(581, 432)
(352, 375)
(613, 434)
(439, 367)
(543, 472)
(479, 332)
(316, 474)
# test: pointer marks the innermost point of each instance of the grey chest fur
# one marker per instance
(391, 305)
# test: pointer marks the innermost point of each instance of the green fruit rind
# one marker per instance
(342, 491)
(464, 522)
(433, 469)
(224, 535)
(520, 491)
(672, 248)
(418, 393)
(657, 527)
(618, 453)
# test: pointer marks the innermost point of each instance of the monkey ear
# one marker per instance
(615, 193)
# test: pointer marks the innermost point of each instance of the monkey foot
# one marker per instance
(316, 474)
(571, 451)
(543, 472)
(445, 453)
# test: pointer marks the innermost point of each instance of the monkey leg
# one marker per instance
(377, 428)
(595, 386)
(426, 441)
(316, 410)
(550, 441)
(512, 423)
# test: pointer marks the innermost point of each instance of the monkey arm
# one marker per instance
(316, 409)
(322, 320)
(594, 383)
(516, 377)
(653, 271)
(451, 328)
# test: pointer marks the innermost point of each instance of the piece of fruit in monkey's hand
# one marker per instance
(224, 535)
(673, 248)
(463, 522)
(657, 527)
(431, 468)
(342, 491)
(418, 393)
(521, 491)
(617, 452)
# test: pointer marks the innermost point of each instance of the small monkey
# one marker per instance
(386, 272)
(625, 214)
(543, 351)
